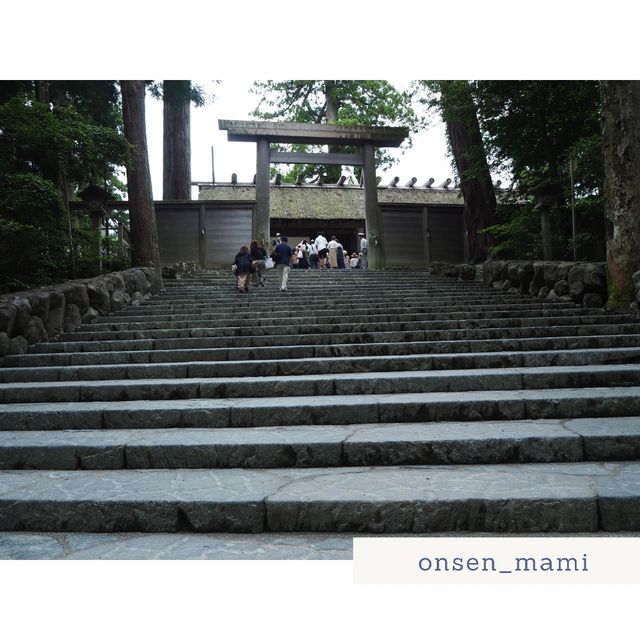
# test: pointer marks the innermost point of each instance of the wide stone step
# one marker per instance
(458, 406)
(568, 497)
(68, 354)
(406, 322)
(47, 372)
(377, 315)
(442, 330)
(247, 308)
(258, 386)
(602, 439)
(283, 340)
(317, 302)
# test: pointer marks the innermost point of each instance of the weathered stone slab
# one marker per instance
(175, 546)
(438, 499)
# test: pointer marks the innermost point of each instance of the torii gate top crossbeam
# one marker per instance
(303, 133)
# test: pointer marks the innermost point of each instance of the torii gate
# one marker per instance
(366, 138)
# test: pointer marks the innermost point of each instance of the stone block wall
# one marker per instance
(585, 283)
(458, 271)
(42, 315)
(635, 305)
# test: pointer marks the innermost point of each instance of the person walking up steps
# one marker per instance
(243, 265)
(258, 255)
(321, 244)
(282, 257)
(313, 253)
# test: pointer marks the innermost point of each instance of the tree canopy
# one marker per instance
(346, 102)
(51, 148)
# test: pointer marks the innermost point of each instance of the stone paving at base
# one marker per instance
(212, 546)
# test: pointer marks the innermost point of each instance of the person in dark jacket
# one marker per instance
(282, 257)
(258, 256)
(243, 265)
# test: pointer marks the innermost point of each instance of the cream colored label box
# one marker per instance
(504, 560)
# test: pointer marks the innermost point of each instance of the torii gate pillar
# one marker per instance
(372, 219)
(262, 231)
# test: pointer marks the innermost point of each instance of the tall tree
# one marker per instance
(177, 97)
(176, 140)
(457, 107)
(621, 151)
(144, 234)
(532, 129)
(347, 102)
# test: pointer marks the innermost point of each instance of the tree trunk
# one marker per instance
(332, 172)
(142, 219)
(463, 130)
(621, 151)
(176, 174)
(42, 91)
(332, 107)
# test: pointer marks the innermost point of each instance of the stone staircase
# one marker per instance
(377, 403)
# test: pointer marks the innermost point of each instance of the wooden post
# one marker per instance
(262, 216)
(202, 236)
(371, 210)
(425, 229)
(547, 234)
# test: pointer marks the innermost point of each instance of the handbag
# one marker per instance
(268, 263)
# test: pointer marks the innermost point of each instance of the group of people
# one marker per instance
(250, 264)
(319, 253)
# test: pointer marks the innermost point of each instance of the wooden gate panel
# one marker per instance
(227, 230)
(404, 237)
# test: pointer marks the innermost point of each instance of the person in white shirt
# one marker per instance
(364, 246)
(303, 255)
(321, 243)
(313, 254)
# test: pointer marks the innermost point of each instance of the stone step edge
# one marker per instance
(490, 379)
(144, 356)
(524, 441)
(273, 367)
(529, 497)
(479, 323)
(283, 339)
(249, 314)
(319, 410)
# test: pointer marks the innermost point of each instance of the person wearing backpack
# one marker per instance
(244, 266)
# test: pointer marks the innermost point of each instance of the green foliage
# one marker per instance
(517, 234)
(49, 150)
(345, 102)
(532, 126)
(52, 141)
(531, 131)
(33, 247)
(180, 91)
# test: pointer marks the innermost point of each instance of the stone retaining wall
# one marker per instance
(585, 283)
(635, 306)
(41, 315)
(458, 271)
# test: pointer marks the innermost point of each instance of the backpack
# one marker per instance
(244, 262)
